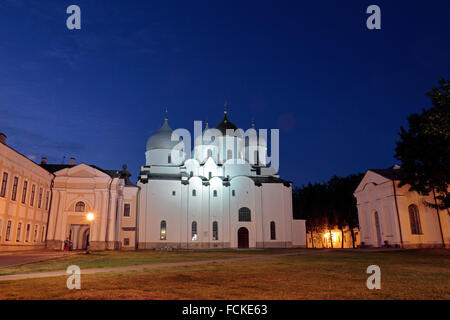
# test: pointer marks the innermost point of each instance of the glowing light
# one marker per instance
(90, 216)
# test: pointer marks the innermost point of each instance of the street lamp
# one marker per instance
(90, 217)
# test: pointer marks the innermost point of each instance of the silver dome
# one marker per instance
(162, 139)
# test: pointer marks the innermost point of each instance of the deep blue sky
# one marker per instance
(338, 91)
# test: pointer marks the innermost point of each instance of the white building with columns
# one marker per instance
(224, 196)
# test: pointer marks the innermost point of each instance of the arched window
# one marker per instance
(256, 155)
(194, 230)
(273, 235)
(245, 214)
(19, 231)
(215, 193)
(80, 206)
(209, 153)
(414, 219)
(229, 154)
(169, 159)
(210, 175)
(194, 193)
(215, 231)
(163, 230)
(191, 174)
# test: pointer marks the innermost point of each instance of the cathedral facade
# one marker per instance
(223, 196)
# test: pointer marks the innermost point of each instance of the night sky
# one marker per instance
(338, 91)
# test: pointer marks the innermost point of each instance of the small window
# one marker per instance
(46, 200)
(245, 214)
(126, 210)
(209, 153)
(27, 234)
(414, 219)
(43, 234)
(194, 193)
(229, 154)
(194, 230)
(40, 198)
(233, 193)
(169, 159)
(1, 229)
(174, 193)
(24, 191)
(8, 231)
(163, 230)
(273, 235)
(36, 230)
(126, 241)
(80, 206)
(19, 231)
(4, 184)
(33, 191)
(209, 175)
(191, 174)
(256, 157)
(14, 189)
(215, 231)
(215, 193)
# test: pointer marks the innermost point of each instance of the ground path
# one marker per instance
(150, 266)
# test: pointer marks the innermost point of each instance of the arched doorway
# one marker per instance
(377, 226)
(243, 238)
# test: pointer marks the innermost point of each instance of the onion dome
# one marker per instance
(225, 124)
(162, 139)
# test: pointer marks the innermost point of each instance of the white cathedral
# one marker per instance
(223, 196)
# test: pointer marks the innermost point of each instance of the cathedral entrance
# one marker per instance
(242, 238)
(78, 236)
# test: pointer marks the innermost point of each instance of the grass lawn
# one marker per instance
(413, 274)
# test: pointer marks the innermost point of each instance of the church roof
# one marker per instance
(390, 173)
(225, 124)
(162, 139)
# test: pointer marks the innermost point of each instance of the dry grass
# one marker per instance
(417, 274)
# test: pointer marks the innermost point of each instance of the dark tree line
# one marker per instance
(325, 206)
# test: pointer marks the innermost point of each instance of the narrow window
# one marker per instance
(245, 214)
(174, 193)
(35, 236)
(126, 210)
(33, 191)
(209, 153)
(8, 231)
(24, 191)
(27, 234)
(273, 235)
(126, 241)
(80, 206)
(233, 193)
(40, 198)
(19, 231)
(194, 193)
(169, 159)
(256, 157)
(4, 184)
(194, 230)
(163, 230)
(46, 200)
(215, 231)
(43, 234)
(414, 219)
(229, 154)
(215, 193)
(1, 229)
(191, 174)
(14, 189)
(209, 175)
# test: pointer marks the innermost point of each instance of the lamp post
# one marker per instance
(90, 217)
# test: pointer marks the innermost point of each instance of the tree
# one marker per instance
(424, 149)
